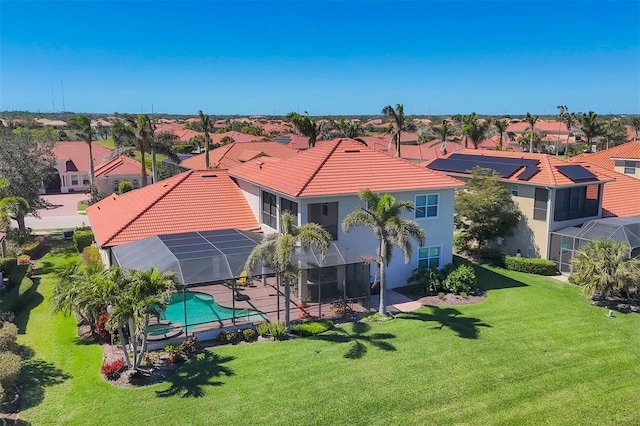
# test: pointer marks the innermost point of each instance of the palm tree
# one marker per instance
(349, 129)
(399, 123)
(139, 295)
(305, 125)
(15, 208)
(591, 126)
(82, 125)
(278, 249)
(205, 123)
(501, 127)
(634, 122)
(603, 266)
(383, 214)
(444, 131)
(475, 130)
(531, 119)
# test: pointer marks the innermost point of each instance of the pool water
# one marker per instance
(159, 329)
(202, 308)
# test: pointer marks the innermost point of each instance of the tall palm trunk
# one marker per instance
(287, 302)
(134, 343)
(500, 143)
(92, 172)
(143, 349)
(531, 142)
(143, 176)
(154, 170)
(124, 345)
(398, 134)
(206, 152)
(382, 307)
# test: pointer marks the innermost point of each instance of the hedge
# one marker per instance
(33, 248)
(530, 265)
(7, 265)
(18, 297)
(18, 274)
(10, 364)
(8, 337)
(311, 328)
(82, 238)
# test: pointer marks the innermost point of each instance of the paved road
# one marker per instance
(62, 214)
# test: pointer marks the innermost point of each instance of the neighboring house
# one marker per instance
(623, 158)
(320, 185)
(191, 201)
(236, 153)
(72, 166)
(552, 193)
(109, 175)
(56, 124)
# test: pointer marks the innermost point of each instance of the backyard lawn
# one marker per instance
(535, 352)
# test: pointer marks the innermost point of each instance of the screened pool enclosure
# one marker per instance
(217, 292)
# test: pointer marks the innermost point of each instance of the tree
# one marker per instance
(305, 125)
(634, 122)
(124, 186)
(398, 122)
(205, 123)
(501, 127)
(24, 163)
(475, 130)
(277, 250)
(614, 133)
(82, 125)
(603, 266)
(529, 138)
(444, 131)
(383, 214)
(349, 129)
(591, 126)
(531, 119)
(486, 210)
(15, 208)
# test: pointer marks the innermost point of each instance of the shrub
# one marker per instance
(277, 330)
(124, 186)
(376, 317)
(91, 256)
(463, 295)
(190, 346)
(249, 335)
(100, 328)
(441, 296)
(462, 279)
(311, 328)
(174, 351)
(18, 273)
(7, 265)
(6, 317)
(112, 370)
(263, 329)
(460, 243)
(491, 256)
(530, 265)
(18, 297)
(8, 336)
(33, 248)
(1, 393)
(229, 336)
(82, 238)
(10, 364)
(426, 279)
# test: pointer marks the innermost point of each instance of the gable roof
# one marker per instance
(342, 166)
(235, 153)
(190, 201)
(121, 165)
(628, 150)
(547, 175)
(76, 154)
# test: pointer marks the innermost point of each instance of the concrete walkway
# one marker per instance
(63, 213)
(396, 301)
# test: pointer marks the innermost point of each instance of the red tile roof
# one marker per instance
(548, 127)
(236, 136)
(620, 197)
(190, 201)
(629, 150)
(235, 153)
(548, 174)
(343, 166)
(76, 154)
(121, 165)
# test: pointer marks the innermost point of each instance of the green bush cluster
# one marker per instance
(18, 297)
(530, 265)
(8, 337)
(311, 328)
(33, 248)
(124, 186)
(10, 363)
(82, 238)
(461, 280)
(276, 330)
(91, 256)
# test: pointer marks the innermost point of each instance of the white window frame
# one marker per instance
(426, 206)
(86, 180)
(429, 257)
(515, 189)
(630, 167)
(74, 178)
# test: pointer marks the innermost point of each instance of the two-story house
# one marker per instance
(623, 159)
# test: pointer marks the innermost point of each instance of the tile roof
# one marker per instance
(547, 176)
(190, 201)
(76, 154)
(236, 136)
(629, 150)
(342, 166)
(235, 153)
(548, 127)
(121, 165)
(620, 197)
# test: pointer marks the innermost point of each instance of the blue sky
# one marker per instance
(327, 57)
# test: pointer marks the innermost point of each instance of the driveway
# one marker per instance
(63, 212)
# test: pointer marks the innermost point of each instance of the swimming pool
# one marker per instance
(202, 308)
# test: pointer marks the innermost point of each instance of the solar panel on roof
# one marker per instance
(465, 166)
(528, 173)
(576, 173)
(496, 160)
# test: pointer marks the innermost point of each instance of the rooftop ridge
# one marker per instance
(140, 213)
(317, 170)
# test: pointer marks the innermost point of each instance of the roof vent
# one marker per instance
(350, 151)
(209, 176)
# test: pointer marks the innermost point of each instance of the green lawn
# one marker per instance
(535, 352)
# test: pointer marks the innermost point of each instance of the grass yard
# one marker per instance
(535, 352)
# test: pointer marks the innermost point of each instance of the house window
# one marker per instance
(629, 167)
(576, 202)
(74, 180)
(85, 180)
(288, 205)
(540, 204)
(135, 184)
(116, 184)
(429, 257)
(514, 190)
(426, 206)
(269, 210)
(325, 209)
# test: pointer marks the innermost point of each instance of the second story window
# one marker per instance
(540, 204)
(514, 190)
(426, 206)
(629, 167)
(269, 210)
(288, 205)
